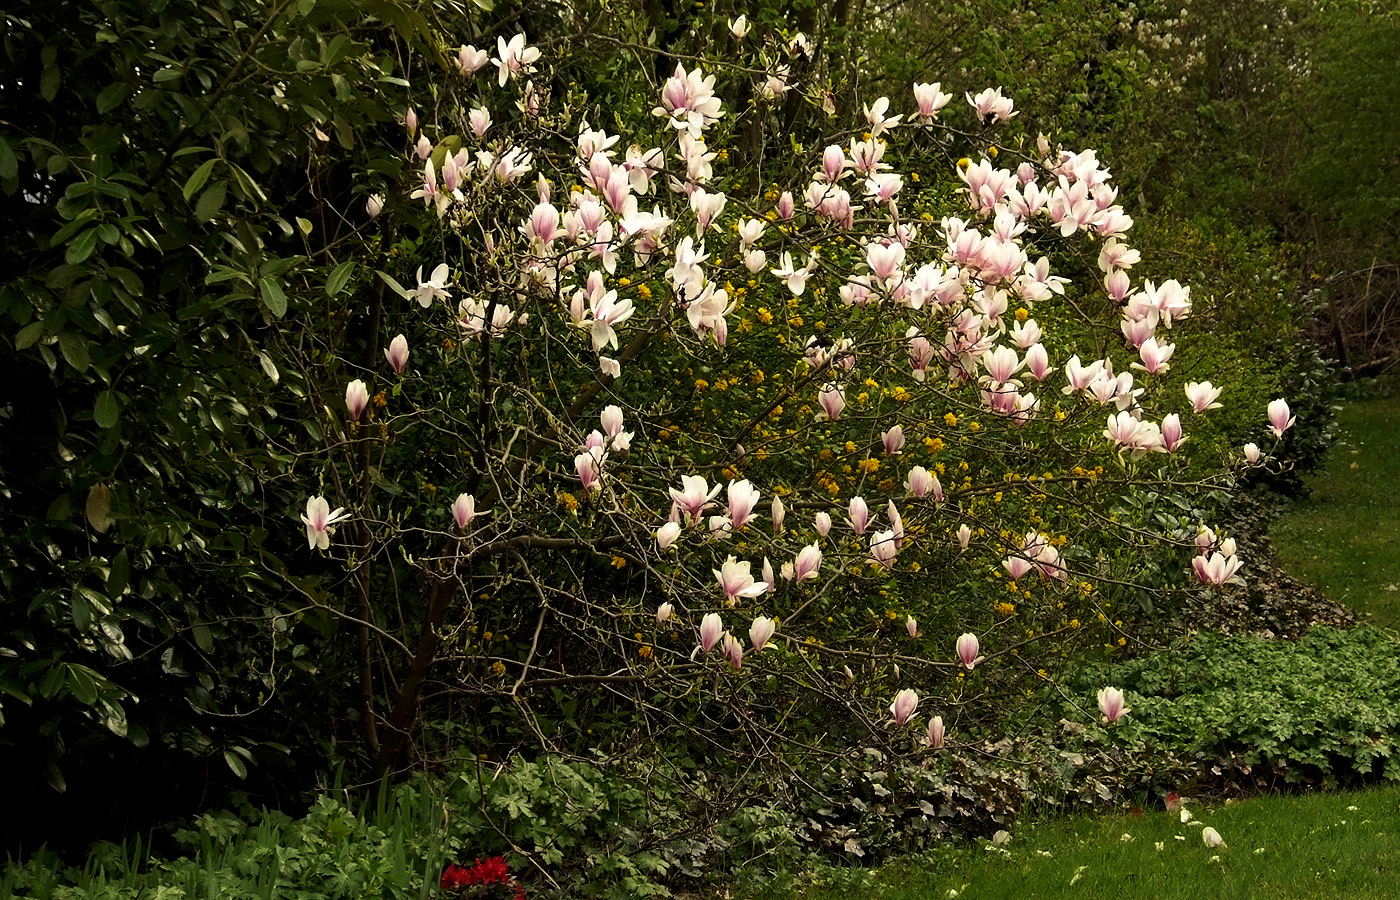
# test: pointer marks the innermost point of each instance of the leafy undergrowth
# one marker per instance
(1303, 846)
(1345, 537)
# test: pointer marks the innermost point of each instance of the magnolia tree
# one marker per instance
(651, 449)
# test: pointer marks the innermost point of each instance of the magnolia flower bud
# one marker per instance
(905, 702)
(663, 613)
(356, 398)
(397, 354)
(967, 648)
(464, 510)
(374, 205)
(666, 535)
(760, 631)
(710, 628)
(935, 733)
(1111, 704)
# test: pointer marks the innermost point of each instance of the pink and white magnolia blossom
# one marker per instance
(911, 625)
(990, 103)
(1216, 569)
(356, 399)
(904, 705)
(513, 58)
(464, 510)
(434, 288)
(967, 648)
(320, 521)
(1172, 437)
(688, 100)
(930, 99)
(666, 535)
(1252, 454)
(822, 522)
(920, 482)
(760, 632)
(733, 651)
(860, 515)
(471, 60)
(736, 580)
(833, 400)
(1038, 362)
(795, 279)
(1154, 357)
(1017, 566)
(1111, 704)
(1135, 435)
(777, 513)
(693, 496)
(1080, 376)
(808, 563)
(882, 548)
(1202, 395)
(743, 497)
(877, 120)
(1280, 419)
(935, 733)
(664, 613)
(896, 524)
(893, 440)
(589, 466)
(397, 354)
(711, 627)
(964, 536)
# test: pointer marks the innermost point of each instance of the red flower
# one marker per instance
(485, 874)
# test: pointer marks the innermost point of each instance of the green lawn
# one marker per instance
(1343, 845)
(1345, 538)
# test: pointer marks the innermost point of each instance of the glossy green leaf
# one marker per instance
(81, 247)
(235, 764)
(198, 178)
(273, 295)
(340, 276)
(75, 350)
(106, 409)
(211, 201)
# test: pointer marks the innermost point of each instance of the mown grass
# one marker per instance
(1345, 537)
(1344, 845)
